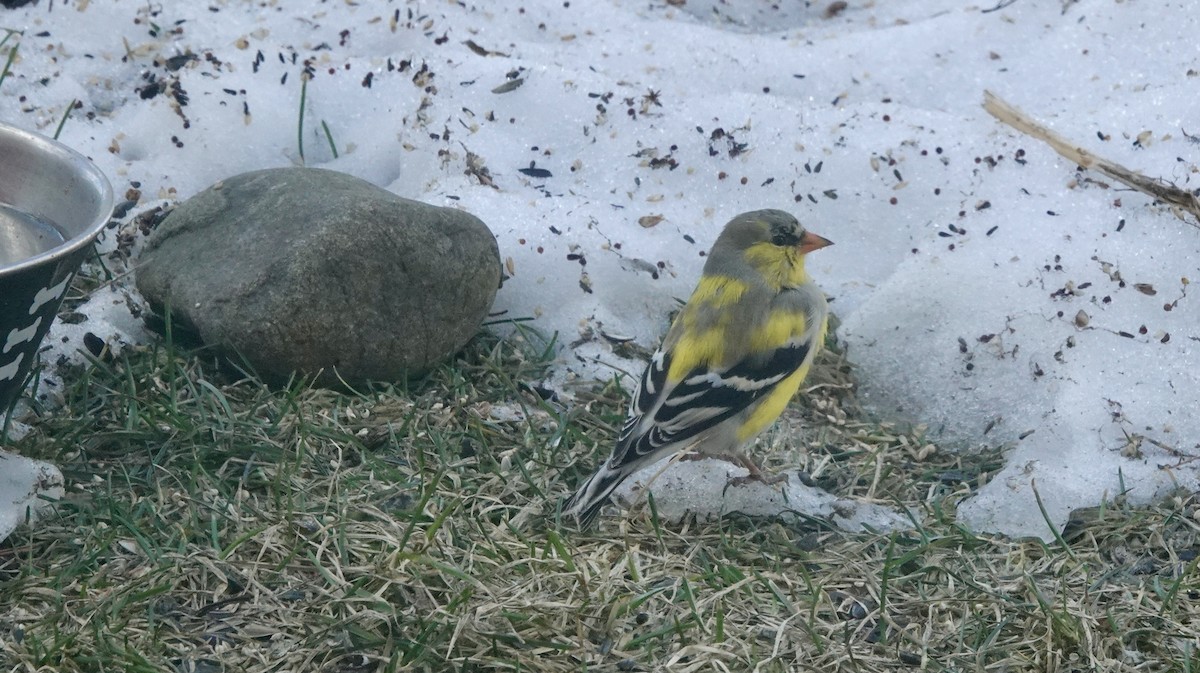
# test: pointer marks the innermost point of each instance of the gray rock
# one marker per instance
(311, 271)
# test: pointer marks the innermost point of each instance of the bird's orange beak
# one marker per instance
(810, 241)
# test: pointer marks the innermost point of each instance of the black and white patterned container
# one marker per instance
(54, 202)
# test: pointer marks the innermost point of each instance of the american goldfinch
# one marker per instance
(732, 359)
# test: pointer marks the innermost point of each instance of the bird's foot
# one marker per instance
(756, 473)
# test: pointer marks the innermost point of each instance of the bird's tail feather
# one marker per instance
(586, 503)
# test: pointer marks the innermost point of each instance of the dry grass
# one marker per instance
(216, 525)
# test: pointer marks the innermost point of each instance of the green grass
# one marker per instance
(11, 56)
(215, 524)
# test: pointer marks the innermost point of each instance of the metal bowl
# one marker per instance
(54, 202)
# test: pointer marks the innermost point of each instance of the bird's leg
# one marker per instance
(756, 473)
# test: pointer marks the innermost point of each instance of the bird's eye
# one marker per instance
(780, 239)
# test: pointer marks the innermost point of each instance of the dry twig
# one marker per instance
(1180, 200)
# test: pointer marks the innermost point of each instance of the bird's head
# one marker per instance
(772, 241)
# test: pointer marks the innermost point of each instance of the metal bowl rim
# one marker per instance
(91, 172)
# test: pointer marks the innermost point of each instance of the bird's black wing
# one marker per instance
(702, 400)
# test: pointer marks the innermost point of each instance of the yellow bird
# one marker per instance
(732, 360)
